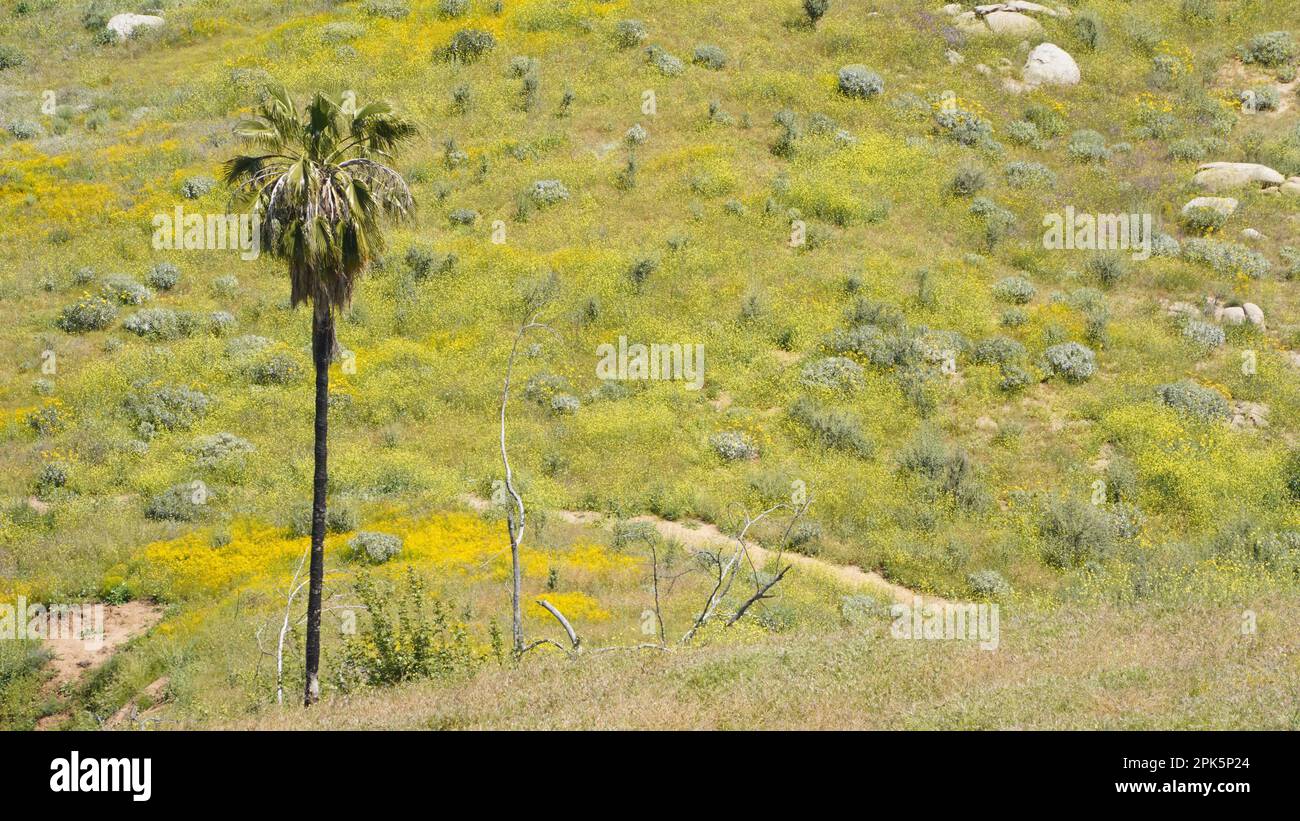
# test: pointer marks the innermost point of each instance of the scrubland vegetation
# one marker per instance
(1085, 438)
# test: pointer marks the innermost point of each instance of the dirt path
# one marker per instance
(702, 534)
(75, 655)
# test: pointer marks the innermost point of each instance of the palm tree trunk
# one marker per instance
(322, 347)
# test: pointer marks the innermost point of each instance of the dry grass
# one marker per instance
(1130, 669)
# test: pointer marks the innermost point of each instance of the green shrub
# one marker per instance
(124, 290)
(1088, 28)
(390, 9)
(410, 636)
(374, 548)
(163, 276)
(1198, 11)
(453, 8)
(161, 324)
(1023, 132)
(219, 449)
(90, 313)
(1107, 268)
(733, 446)
(179, 503)
(164, 408)
(988, 584)
(1088, 146)
(10, 57)
(1272, 49)
(339, 518)
(668, 65)
(968, 181)
(999, 350)
(468, 45)
(630, 33)
(710, 57)
(1074, 533)
(1048, 122)
(278, 368)
(1227, 259)
(1200, 403)
(1014, 289)
(834, 373)
(195, 187)
(859, 81)
(1291, 473)
(966, 127)
(1205, 335)
(815, 9)
(1074, 362)
(831, 428)
(548, 192)
(1203, 219)
(1022, 174)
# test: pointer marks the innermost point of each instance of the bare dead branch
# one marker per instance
(568, 628)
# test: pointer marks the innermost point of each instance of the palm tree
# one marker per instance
(319, 186)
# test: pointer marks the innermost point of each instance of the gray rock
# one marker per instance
(1226, 206)
(1254, 314)
(1049, 64)
(1223, 176)
(124, 25)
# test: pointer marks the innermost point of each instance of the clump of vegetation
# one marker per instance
(988, 584)
(833, 372)
(163, 276)
(668, 65)
(815, 10)
(1074, 362)
(1273, 49)
(1200, 403)
(372, 547)
(468, 45)
(161, 324)
(1205, 335)
(1014, 289)
(710, 56)
(179, 503)
(1021, 174)
(548, 192)
(630, 33)
(1108, 268)
(195, 187)
(125, 291)
(831, 428)
(734, 446)
(1203, 219)
(968, 181)
(410, 636)
(165, 408)
(860, 81)
(1074, 533)
(90, 313)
